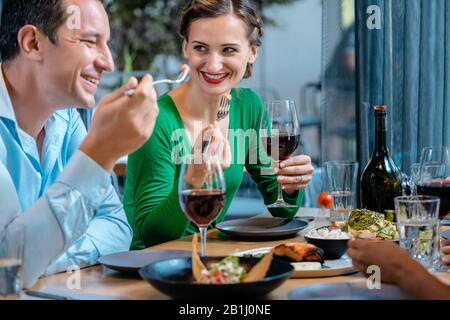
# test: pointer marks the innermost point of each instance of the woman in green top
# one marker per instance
(221, 40)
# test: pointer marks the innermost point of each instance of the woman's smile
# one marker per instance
(214, 78)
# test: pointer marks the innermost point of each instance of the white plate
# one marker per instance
(347, 291)
(331, 268)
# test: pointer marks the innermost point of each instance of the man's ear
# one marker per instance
(31, 42)
(253, 54)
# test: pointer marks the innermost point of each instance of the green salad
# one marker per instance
(365, 223)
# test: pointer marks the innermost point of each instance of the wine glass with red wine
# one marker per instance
(280, 135)
(434, 176)
(201, 190)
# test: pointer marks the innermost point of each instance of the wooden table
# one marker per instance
(98, 282)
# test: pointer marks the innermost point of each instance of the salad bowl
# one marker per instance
(174, 278)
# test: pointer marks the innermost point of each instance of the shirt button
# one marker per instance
(102, 191)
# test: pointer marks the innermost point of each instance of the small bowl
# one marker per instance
(333, 248)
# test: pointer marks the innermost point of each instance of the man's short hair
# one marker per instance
(46, 15)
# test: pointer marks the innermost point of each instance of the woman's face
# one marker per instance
(218, 51)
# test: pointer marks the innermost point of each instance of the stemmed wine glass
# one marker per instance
(434, 180)
(434, 176)
(280, 135)
(201, 190)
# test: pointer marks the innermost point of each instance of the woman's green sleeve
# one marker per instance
(152, 173)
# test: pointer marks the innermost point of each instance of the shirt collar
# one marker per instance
(6, 108)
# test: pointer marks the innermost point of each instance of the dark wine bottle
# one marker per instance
(381, 180)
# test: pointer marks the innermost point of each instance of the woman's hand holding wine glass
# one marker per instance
(295, 173)
(280, 135)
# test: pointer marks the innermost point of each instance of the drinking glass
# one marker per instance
(201, 190)
(280, 135)
(341, 181)
(11, 256)
(417, 219)
(434, 176)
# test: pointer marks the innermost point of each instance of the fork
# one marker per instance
(224, 110)
(224, 107)
(181, 78)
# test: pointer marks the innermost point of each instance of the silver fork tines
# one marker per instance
(224, 107)
(180, 79)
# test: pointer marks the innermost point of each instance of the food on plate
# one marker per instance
(367, 224)
(325, 200)
(254, 255)
(260, 269)
(307, 266)
(298, 252)
(330, 233)
(228, 270)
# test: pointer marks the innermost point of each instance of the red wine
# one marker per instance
(439, 190)
(381, 180)
(202, 206)
(286, 145)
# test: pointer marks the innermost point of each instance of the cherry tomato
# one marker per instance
(325, 200)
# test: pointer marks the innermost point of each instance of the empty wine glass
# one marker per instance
(201, 190)
(280, 135)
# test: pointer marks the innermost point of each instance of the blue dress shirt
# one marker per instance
(65, 200)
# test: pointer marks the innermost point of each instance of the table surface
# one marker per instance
(98, 282)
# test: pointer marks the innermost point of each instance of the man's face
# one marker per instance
(73, 67)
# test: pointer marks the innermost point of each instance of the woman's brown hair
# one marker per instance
(246, 10)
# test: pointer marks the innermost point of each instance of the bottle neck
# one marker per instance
(380, 134)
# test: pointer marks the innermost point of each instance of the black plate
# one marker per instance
(262, 227)
(173, 277)
(132, 261)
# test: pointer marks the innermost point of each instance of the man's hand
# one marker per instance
(122, 124)
(397, 267)
(393, 261)
(446, 251)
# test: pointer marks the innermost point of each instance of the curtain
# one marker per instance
(406, 65)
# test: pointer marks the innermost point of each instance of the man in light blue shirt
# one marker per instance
(55, 178)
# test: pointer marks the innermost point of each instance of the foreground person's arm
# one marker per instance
(397, 267)
(58, 218)
(64, 213)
